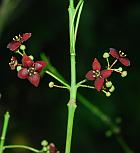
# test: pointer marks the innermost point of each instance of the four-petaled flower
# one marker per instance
(31, 70)
(17, 41)
(119, 56)
(98, 75)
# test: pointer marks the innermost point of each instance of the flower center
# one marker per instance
(122, 54)
(31, 71)
(96, 73)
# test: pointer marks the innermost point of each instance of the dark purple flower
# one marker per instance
(98, 75)
(17, 41)
(31, 70)
(119, 56)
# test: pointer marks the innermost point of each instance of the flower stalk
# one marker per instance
(73, 89)
(4, 130)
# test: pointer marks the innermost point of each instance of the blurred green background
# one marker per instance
(41, 113)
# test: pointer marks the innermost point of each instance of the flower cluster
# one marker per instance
(27, 69)
(49, 147)
(100, 76)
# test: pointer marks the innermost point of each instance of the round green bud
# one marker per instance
(120, 69)
(51, 84)
(112, 88)
(108, 133)
(44, 143)
(108, 94)
(44, 149)
(19, 68)
(105, 55)
(22, 47)
(124, 73)
(31, 57)
(108, 84)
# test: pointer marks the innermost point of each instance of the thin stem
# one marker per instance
(4, 130)
(86, 86)
(21, 147)
(108, 65)
(58, 79)
(113, 63)
(123, 144)
(81, 82)
(78, 19)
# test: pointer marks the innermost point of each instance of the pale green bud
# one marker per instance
(108, 84)
(120, 69)
(51, 84)
(22, 47)
(31, 57)
(19, 68)
(108, 94)
(112, 88)
(124, 73)
(44, 143)
(105, 55)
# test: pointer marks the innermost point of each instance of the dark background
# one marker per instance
(41, 113)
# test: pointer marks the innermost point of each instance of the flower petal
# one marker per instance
(25, 36)
(23, 73)
(99, 83)
(125, 61)
(96, 65)
(89, 75)
(106, 73)
(39, 65)
(14, 45)
(26, 61)
(113, 52)
(34, 79)
(52, 148)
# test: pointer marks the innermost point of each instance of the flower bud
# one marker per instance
(22, 47)
(124, 73)
(108, 94)
(44, 143)
(31, 57)
(105, 55)
(108, 84)
(112, 88)
(120, 69)
(51, 84)
(18, 68)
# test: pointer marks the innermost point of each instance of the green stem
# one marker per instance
(71, 110)
(21, 147)
(4, 130)
(73, 90)
(58, 79)
(123, 144)
(78, 19)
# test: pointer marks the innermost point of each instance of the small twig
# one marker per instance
(58, 79)
(21, 147)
